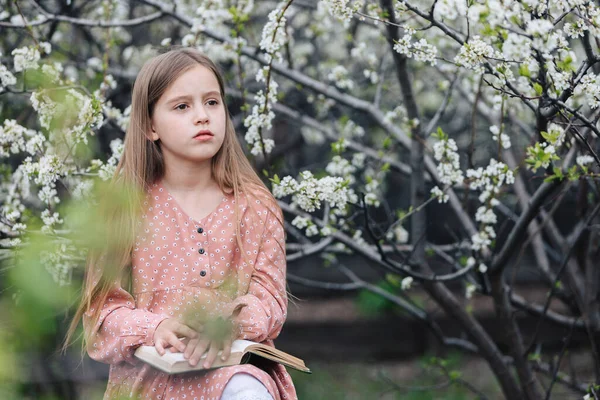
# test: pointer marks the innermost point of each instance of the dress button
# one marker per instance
(201, 251)
(202, 273)
(200, 230)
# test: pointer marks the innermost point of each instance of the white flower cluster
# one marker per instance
(584, 160)
(397, 114)
(273, 38)
(449, 9)
(420, 50)
(575, 30)
(6, 77)
(120, 118)
(82, 189)
(261, 117)
(490, 181)
(399, 234)
(446, 153)
(339, 76)
(349, 129)
(343, 9)
(15, 139)
(50, 220)
(76, 114)
(503, 137)
(339, 166)
(474, 53)
(12, 208)
(312, 136)
(45, 172)
(274, 35)
(469, 290)
(310, 192)
(53, 72)
(590, 88)
(107, 171)
(517, 48)
(539, 27)
(59, 263)
(211, 14)
(371, 197)
(26, 58)
(311, 229)
(361, 53)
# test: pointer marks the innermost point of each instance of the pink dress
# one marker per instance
(180, 265)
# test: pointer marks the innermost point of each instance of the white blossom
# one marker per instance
(14, 138)
(584, 160)
(469, 290)
(473, 53)
(406, 283)
(399, 234)
(439, 194)
(339, 76)
(309, 193)
(420, 49)
(6, 77)
(312, 230)
(343, 9)
(26, 58)
(300, 222)
(358, 160)
(339, 166)
(50, 220)
(446, 153)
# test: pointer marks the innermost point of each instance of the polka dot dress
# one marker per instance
(183, 267)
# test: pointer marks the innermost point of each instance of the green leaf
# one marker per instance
(454, 375)
(387, 142)
(538, 88)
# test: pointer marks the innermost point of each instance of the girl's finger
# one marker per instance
(189, 349)
(176, 343)
(226, 350)
(198, 352)
(159, 347)
(184, 330)
(212, 354)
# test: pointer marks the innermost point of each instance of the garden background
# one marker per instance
(436, 162)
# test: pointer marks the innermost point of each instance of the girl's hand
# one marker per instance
(196, 348)
(168, 332)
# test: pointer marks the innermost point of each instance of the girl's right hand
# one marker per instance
(168, 332)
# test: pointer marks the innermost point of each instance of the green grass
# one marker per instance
(362, 381)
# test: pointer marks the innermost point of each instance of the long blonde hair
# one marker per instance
(142, 164)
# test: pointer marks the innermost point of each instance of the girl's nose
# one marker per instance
(201, 116)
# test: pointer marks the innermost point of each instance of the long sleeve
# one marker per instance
(261, 313)
(120, 329)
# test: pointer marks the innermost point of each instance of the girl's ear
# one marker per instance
(152, 135)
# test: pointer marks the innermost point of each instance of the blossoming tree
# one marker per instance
(485, 109)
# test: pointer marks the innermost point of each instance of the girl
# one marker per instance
(207, 245)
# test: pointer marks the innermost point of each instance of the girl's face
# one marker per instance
(189, 117)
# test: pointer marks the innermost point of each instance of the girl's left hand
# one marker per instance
(196, 348)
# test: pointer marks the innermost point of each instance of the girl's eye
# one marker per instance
(212, 102)
(181, 107)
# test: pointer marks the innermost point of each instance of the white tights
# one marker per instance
(244, 386)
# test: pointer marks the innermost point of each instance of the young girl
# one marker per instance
(207, 246)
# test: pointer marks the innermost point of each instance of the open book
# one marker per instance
(241, 352)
